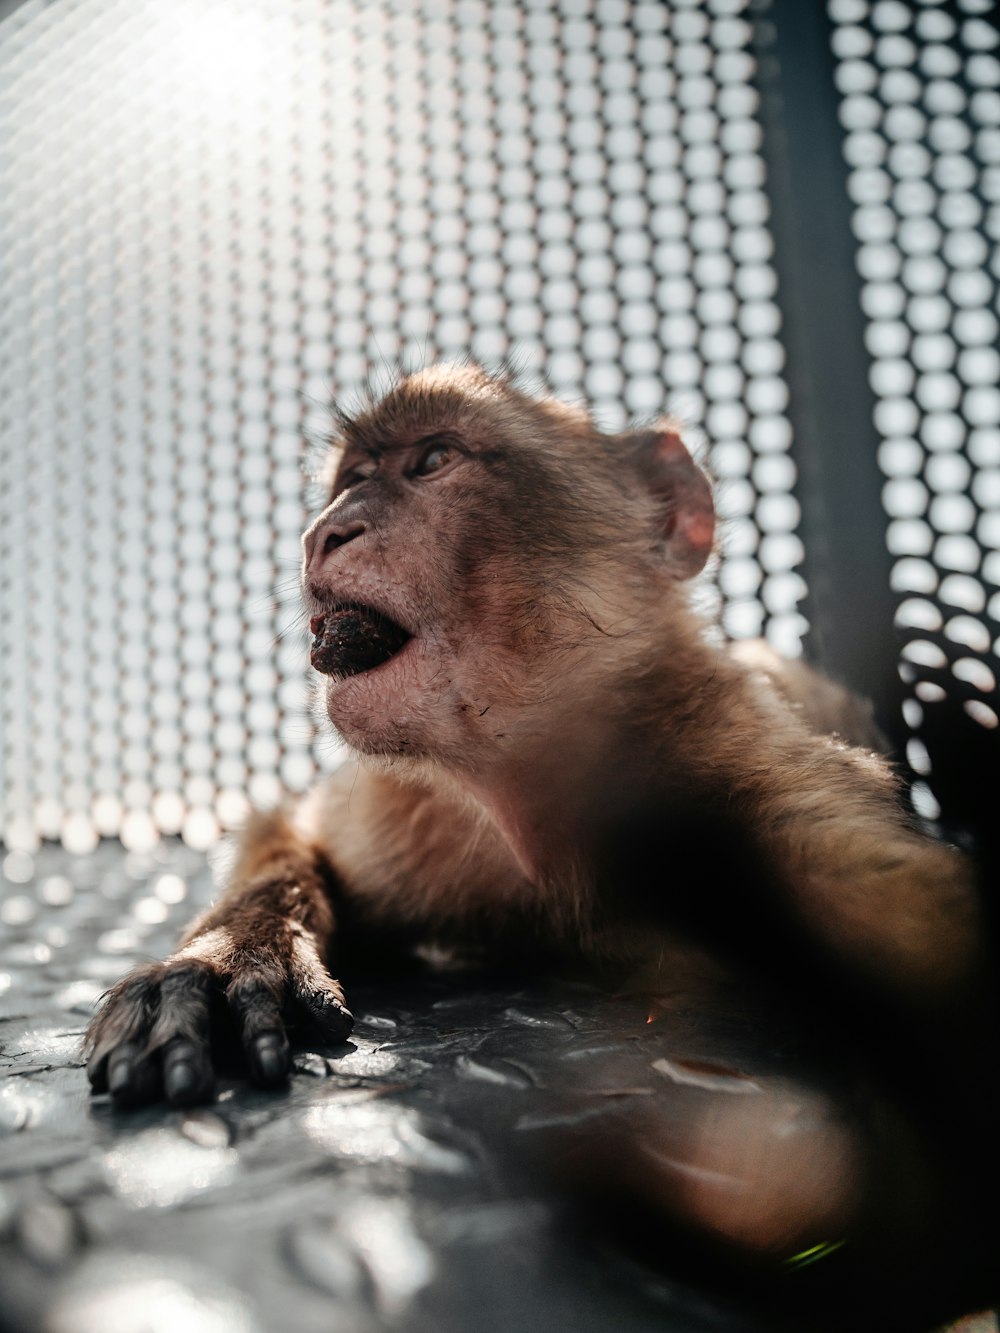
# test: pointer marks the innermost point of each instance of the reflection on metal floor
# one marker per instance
(386, 1188)
(377, 1191)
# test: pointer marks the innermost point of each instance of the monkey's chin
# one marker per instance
(369, 709)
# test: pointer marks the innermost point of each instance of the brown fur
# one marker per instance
(540, 580)
(557, 686)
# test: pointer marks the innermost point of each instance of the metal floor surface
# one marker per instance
(384, 1189)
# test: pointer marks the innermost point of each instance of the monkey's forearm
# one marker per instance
(277, 877)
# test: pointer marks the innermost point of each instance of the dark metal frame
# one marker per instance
(850, 605)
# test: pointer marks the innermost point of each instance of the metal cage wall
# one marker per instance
(216, 216)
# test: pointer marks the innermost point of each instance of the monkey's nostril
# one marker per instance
(339, 535)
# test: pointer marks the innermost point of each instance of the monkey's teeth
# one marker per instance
(352, 639)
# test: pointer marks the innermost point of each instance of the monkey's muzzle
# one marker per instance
(351, 639)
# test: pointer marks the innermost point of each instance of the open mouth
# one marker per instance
(349, 639)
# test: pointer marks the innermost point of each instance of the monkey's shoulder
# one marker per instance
(407, 850)
(823, 705)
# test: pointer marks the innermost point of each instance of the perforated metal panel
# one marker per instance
(215, 216)
(920, 88)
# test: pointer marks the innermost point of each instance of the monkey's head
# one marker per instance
(485, 555)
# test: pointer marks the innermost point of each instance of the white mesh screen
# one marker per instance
(215, 216)
(920, 88)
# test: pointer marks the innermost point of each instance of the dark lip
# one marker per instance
(320, 609)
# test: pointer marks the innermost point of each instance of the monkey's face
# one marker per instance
(481, 555)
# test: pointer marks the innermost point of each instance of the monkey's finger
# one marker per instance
(317, 999)
(258, 1014)
(187, 1073)
(133, 1076)
(326, 1015)
(97, 1074)
(124, 1019)
(181, 1032)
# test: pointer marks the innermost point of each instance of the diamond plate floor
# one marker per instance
(385, 1189)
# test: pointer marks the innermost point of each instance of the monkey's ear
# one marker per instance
(685, 513)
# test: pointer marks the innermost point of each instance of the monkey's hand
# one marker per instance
(152, 1036)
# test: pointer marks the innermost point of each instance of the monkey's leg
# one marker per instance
(838, 1213)
(260, 949)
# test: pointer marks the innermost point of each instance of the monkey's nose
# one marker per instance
(327, 536)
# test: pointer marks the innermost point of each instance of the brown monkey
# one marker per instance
(497, 593)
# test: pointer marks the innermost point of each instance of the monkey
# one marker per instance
(499, 598)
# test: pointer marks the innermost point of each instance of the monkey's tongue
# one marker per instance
(352, 639)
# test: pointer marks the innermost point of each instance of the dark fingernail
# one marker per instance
(343, 1021)
(272, 1058)
(119, 1077)
(335, 1022)
(97, 1073)
(181, 1080)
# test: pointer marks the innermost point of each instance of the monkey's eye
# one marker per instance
(361, 471)
(435, 458)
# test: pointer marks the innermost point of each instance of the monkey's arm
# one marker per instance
(819, 702)
(901, 907)
(391, 852)
(261, 947)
